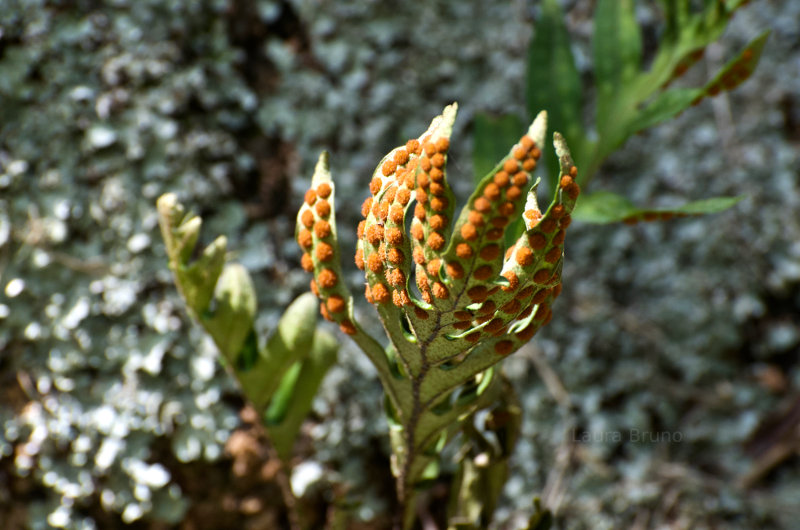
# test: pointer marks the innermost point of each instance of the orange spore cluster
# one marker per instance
(542, 312)
(527, 334)
(490, 252)
(540, 296)
(323, 310)
(401, 157)
(440, 291)
(324, 190)
(439, 204)
(504, 347)
(494, 325)
(389, 167)
(553, 255)
(548, 225)
(455, 270)
(327, 279)
(501, 179)
(568, 184)
(484, 272)
(322, 229)
(396, 278)
(417, 232)
(433, 267)
(360, 258)
(335, 303)
(307, 218)
(403, 196)
(323, 208)
(507, 209)
(482, 204)
(556, 290)
(462, 315)
(435, 241)
(469, 232)
(375, 263)
(395, 256)
(525, 256)
(397, 214)
(537, 241)
(381, 210)
(305, 239)
(400, 298)
(479, 293)
(475, 217)
(525, 312)
(463, 250)
(422, 282)
(493, 234)
(513, 281)
(394, 236)
(512, 307)
(375, 234)
(437, 222)
(366, 206)
(513, 193)
(348, 327)
(487, 309)
(324, 251)
(379, 293)
(307, 263)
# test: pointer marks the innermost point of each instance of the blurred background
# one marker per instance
(681, 337)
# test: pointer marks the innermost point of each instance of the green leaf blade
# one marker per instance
(617, 45)
(553, 82)
(738, 69)
(491, 138)
(603, 207)
(291, 341)
(665, 106)
(293, 399)
(234, 312)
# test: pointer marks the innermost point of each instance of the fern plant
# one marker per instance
(453, 301)
(279, 376)
(628, 97)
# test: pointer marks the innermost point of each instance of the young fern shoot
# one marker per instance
(478, 301)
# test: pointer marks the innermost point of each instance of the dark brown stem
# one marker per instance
(285, 485)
